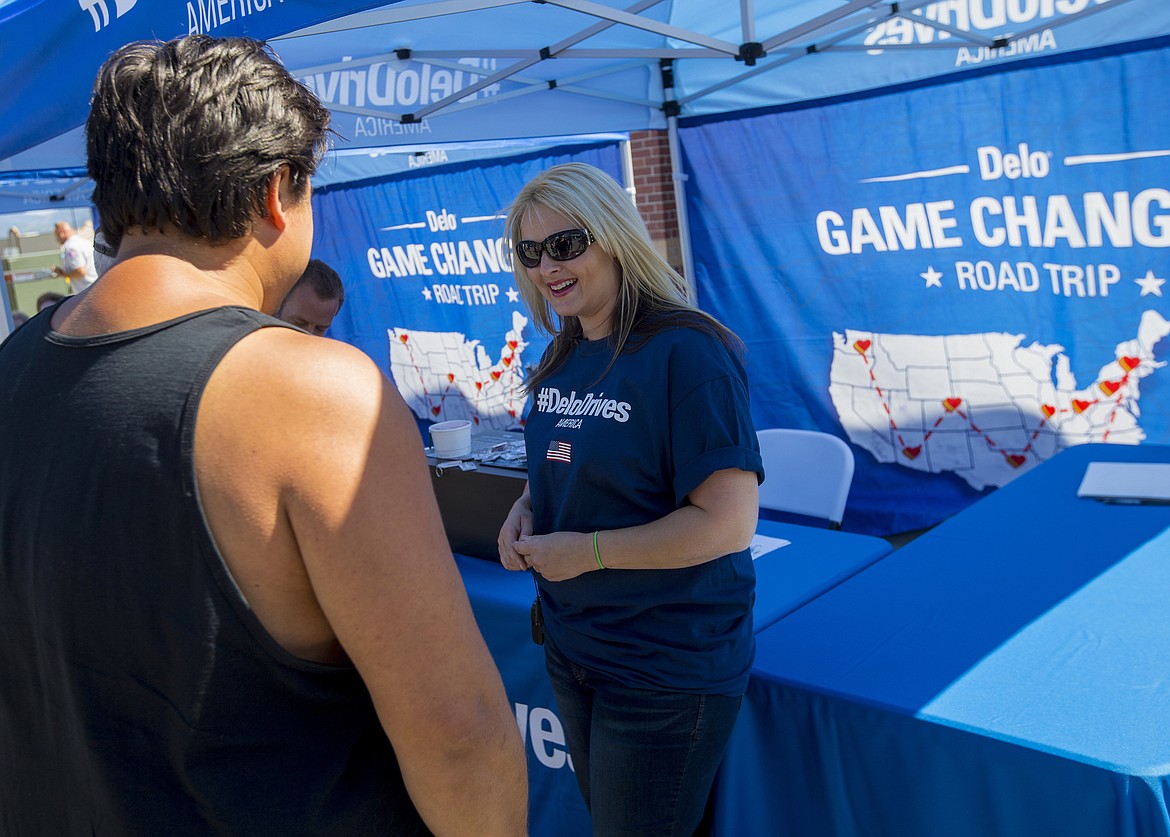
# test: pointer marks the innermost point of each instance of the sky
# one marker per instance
(41, 220)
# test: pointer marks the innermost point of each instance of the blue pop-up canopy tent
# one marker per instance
(421, 74)
(939, 226)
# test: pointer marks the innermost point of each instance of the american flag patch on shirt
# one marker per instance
(560, 451)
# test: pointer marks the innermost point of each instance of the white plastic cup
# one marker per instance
(452, 439)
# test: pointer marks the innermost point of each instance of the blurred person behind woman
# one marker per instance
(314, 300)
(640, 507)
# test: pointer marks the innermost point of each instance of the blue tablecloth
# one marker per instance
(1006, 673)
(788, 577)
(814, 561)
(501, 602)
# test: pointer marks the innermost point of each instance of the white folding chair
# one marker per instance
(805, 472)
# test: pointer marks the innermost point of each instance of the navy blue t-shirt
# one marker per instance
(626, 450)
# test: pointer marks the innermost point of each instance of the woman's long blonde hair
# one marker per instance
(651, 294)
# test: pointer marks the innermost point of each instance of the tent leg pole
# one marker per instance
(680, 201)
(671, 108)
(628, 170)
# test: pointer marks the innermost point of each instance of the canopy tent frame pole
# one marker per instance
(782, 43)
(678, 176)
(628, 170)
(521, 65)
(7, 325)
(680, 201)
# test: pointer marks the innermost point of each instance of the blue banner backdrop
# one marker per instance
(960, 278)
(428, 280)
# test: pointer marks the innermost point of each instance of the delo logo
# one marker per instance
(994, 163)
(100, 12)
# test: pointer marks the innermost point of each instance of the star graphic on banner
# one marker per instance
(933, 277)
(1151, 284)
(513, 295)
(426, 292)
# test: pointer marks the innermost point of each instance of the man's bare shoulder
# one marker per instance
(323, 377)
(293, 362)
(300, 401)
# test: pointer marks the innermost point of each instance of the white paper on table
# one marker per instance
(1127, 482)
(762, 545)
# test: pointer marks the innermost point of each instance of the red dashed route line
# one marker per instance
(494, 374)
(952, 405)
(405, 338)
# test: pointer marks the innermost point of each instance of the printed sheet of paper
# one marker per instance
(1135, 482)
(762, 545)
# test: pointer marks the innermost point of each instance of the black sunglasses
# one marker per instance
(560, 246)
(102, 246)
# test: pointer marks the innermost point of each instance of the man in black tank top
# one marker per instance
(247, 619)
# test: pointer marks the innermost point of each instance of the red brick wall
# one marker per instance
(654, 191)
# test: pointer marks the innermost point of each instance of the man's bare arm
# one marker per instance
(334, 442)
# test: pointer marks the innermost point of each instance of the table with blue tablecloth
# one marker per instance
(812, 561)
(1007, 673)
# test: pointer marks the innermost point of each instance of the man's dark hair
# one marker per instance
(186, 135)
(323, 280)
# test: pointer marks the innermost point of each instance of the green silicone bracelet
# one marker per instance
(597, 553)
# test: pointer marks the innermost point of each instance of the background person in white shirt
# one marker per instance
(77, 264)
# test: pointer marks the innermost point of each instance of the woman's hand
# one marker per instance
(559, 556)
(518, 525)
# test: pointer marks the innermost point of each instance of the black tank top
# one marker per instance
(138, 693)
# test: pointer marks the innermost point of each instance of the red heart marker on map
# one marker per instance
(496, 375)
(1109, 387)
(479, 385)
(912, 453)
(451, 377)
(508, 361)
(512, 413)
(1081, 406)
(1015, 459)
(404, 337)
(861, 346)
(436, 410)
(1129, 363)
(952, 404)
(512, 344)
(1048, 410)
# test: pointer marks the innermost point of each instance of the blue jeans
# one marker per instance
(644, 759)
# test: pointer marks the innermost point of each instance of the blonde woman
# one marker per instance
(641, 504)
